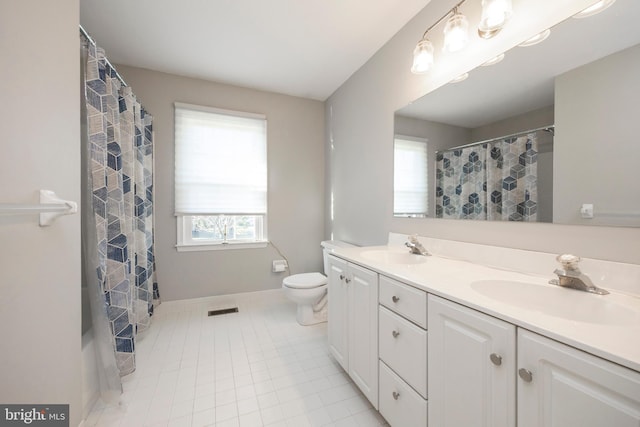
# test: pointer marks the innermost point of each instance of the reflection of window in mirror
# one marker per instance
(410, 177)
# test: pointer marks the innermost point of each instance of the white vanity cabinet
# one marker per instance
(472, 367)
(403, 354)
(353, 323)
(474, 374)
(559, 385)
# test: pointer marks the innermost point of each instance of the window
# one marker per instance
(410, 177)
(220, 178)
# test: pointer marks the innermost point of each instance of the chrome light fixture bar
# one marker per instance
(495, 14)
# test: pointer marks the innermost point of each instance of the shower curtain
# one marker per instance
(496, 180)
(118, 238)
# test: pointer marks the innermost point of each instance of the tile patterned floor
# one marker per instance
(257, 367)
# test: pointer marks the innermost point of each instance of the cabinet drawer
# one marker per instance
(403, 346)
(404, 300)
(400, 405)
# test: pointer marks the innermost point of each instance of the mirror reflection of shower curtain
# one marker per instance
(496, 180)
(461, 183)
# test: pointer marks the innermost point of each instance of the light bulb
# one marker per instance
(495, 14)
(422, 57)
(456, 33)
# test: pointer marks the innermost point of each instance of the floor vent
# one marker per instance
(222, 311)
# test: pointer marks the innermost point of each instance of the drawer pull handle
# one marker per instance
(525, 374)
(342, 277)
(395, 298)
(496, 359)
(395, 334)
(395, 395)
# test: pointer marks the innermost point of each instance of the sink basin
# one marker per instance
(394, 257)
(559, 302)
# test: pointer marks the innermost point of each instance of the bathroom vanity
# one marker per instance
(483, 345)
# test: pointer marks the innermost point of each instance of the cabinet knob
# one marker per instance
(395, 298)
(496, 359)
(342, 277)
(395, 334)
(347, 280)
(395, 395)
(525, 374)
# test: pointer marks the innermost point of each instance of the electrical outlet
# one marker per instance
(586, 211)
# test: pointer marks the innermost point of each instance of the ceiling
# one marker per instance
(295, 47)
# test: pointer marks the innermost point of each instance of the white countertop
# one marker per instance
(618, 341)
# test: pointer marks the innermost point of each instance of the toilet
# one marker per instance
(309, 290)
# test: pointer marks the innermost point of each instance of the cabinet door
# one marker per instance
(338, 309)
(363, 331)
(472, 367)
(563, 386)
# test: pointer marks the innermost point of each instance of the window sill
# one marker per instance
(221, 246)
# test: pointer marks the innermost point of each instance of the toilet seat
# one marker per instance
(305, 281)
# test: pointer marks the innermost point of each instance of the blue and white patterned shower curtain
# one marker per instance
(496, 180)
(120, 136)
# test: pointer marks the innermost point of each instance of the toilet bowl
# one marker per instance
(309, 290)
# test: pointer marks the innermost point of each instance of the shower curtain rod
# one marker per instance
(93, 42)
(547, 128)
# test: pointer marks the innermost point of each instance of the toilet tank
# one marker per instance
(327, 245)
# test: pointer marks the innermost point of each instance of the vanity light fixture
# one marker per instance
(493, 61)
(456, 32)
(538, 38)
(594, 8)
(423, 54)
(495, 14)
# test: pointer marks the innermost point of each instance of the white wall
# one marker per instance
(360, 145)
(40, 267)
(596, 133)
(296, 208)
(530, 120)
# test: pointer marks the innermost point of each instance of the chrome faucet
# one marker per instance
(415, 247)
(570, 276)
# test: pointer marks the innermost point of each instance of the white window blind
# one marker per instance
(410, 181)
(220, 162)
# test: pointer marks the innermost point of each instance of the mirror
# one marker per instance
(570, 102)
